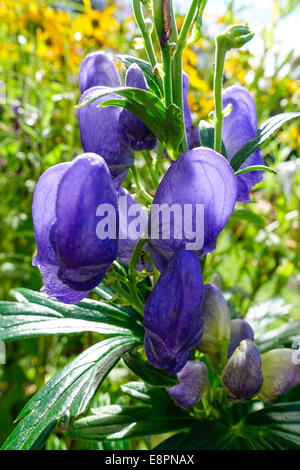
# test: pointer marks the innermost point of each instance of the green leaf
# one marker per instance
(165, 123)
(255, 168)
(124, 422)
(264, 133)
(148, 373)
(248, 216)
(263, 315)
(67, 394)
(87, 310)
(147, 394)
(280, 336)
(278, 425)
(197, 27)
(207, 136)
(205, 435)
(151, 79)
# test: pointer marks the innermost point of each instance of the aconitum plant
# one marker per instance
(121, 259)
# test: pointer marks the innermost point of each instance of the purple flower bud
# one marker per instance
(132, 224)
(193, 384)
(70, 256)
(281, 371)
(217, 323)
(203, 186)
(141, 138)
(242, 377)
(98, 70)
(101, 133)
(239, 127)
(173, 313)
(240, 330)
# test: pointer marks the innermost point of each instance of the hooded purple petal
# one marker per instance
(173, 313)
(141, 138)
(101, 133)
(203, 180)
(240, 330)
(239, 127)
(132, 224)
(44, 213)
(83, 256)
(242, 377)
(70, 256)
(193, 383)
(98, 70)
(281, 371)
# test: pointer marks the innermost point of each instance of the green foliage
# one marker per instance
(264, 134)
(67, 394)
(164, 122)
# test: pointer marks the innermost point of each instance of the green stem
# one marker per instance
(139, 188)
(188, 22)
(139, 17)
(218, 81)
(148, 160)
(167, 75)
(132, 275)
(177, 90)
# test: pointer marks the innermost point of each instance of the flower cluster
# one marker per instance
(180, 312)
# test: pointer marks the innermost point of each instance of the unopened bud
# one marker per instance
(193, 384)
(217, 323)
(281, 371)
(235, 36)
(242, 377)
(240, 330)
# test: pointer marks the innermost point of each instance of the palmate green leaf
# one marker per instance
(148, 373)
(67, 394)
(42, 315)
(263, 315)
(165, 123)
(146, 67)
(124, 422)
(276, 426)
(264, 133)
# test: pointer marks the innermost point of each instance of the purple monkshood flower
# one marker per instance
(98, 69)
(239, 127)
(193, 383)
(132, 224)
(201, 179)
(281, 371)
(172, 318)
(70, 256)
(101, 133)
(242, 377)
(240, 330)
(111, 132)
(140, 137)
